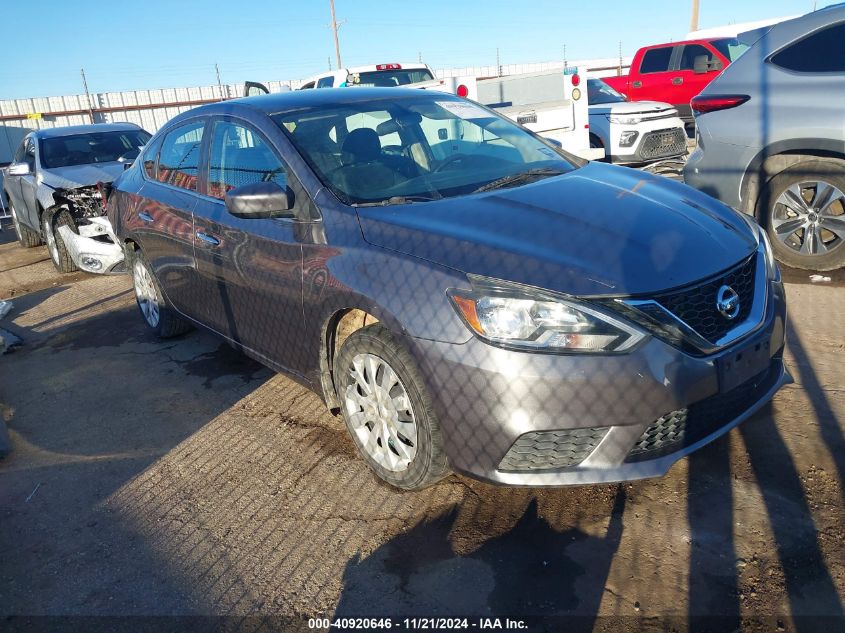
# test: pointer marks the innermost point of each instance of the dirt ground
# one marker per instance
(181, 478)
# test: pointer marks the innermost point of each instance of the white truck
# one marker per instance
(550, 103)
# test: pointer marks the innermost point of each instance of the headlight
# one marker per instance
(772, 268)
(527, 318)
(624, 120)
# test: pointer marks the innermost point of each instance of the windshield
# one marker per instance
(389, 78)
(599, 92)
(731, 48)
(422, 147)
(92, 147)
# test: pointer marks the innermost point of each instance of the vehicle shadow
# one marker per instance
(713, 592)
(812, 595)
(532, 570)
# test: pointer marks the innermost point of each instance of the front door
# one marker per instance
(251, 269)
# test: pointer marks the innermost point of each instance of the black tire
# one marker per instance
(27, 237)
(50, 223)
(429, 463)
(157, 314)
(771, 213)
(595, 142)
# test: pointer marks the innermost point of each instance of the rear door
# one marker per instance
(13, 183)
(251, 269)
(162, 222)
(654, 79)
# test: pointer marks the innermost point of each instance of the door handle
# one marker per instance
(677, 81)
(208, 239)
(637, 84)
(146, 217)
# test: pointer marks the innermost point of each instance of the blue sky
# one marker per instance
(166, 43)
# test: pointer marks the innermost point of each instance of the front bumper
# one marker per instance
(610, 418)
(95, 249)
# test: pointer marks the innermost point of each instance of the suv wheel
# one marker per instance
(805, 218)
(158, 316)
(26, 236)
(50, 222)
(387, 410)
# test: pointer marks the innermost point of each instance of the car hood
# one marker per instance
(631, 107)
(598, 230)
(81, 175)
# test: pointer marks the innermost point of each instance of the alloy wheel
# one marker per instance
(809, 218)
(146, 294)
(379, 413)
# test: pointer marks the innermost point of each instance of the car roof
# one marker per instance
(286, 101)
(84, 129)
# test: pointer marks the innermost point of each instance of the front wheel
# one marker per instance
(158, 316)
(804, 215)
(50, 223)
(388, 411)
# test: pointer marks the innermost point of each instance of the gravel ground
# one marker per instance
(182, 478)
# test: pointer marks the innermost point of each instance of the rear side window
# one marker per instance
(178, 161)
(691, 52)
(821, 52)
(656, 60)
(239, 156)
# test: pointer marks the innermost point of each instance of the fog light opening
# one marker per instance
(628, 138)
(91, 262)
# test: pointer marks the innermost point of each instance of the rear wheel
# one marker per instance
(158, 316)
(388, 411)
(50, 223)
(27, 237)
(804, 215)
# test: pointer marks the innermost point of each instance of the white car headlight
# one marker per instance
(624, 120)
(531, 319)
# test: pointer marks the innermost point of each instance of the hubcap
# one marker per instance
(809, 218)
(379, 412)
(145, 293)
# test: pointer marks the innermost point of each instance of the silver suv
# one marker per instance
(771, 137)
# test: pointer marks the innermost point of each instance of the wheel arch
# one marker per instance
(777, 158)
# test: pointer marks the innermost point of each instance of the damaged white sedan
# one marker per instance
(55, 188)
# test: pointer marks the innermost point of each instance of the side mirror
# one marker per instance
(260, 200)
(19, 169)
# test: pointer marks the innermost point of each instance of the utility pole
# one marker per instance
(87, 95)
(334, 29)
(498, 64)
(330, 62)
(219, 83)
(693, 23)
(564, 57)
(619, 74)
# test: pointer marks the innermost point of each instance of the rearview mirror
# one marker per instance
(260, 200)
(19, 169)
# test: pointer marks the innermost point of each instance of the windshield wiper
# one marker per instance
(397, 200)
(523, 176)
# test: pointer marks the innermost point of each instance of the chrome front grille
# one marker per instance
(696, 305)
(688, 317)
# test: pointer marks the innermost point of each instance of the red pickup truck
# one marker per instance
(675, 73)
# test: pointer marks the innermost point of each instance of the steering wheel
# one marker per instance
(454, 158)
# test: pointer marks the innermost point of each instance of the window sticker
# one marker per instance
(464, 110)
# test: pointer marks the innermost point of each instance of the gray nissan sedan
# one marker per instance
(468, 297)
